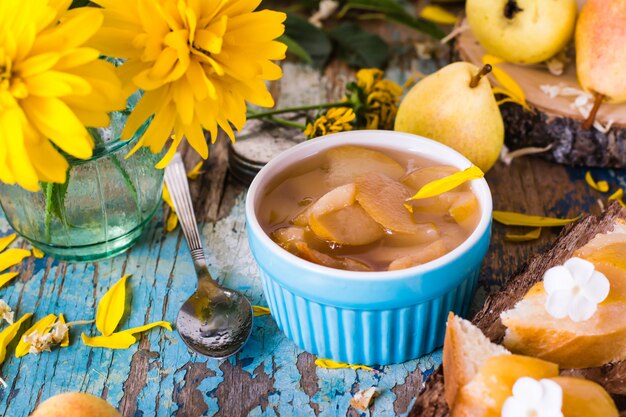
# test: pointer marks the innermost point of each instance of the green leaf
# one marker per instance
(392, 11)
(295, 48)
(360, 48)
(310, 38)
(59, 191)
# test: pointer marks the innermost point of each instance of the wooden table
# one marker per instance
(270, 376)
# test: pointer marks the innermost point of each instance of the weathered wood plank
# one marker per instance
(270, 376)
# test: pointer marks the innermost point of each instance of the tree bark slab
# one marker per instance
(554, 121)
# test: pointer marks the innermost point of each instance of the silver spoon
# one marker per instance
(215, 321)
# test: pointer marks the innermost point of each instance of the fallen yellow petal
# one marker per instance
(532, 235)
(509, 86)
(111, 307)
(172, 221)
(8, 334)
(6, 241)
(119, 340)
(12, 257)
(601, 186)
(518, 219)
(149, 326)
(38, 253)
(66, 339)
(196, 171)
(329, 364)
(260, 311)
(6, 277)
(23, 347)
(618, 196)
(448, 183)
(408, 208)
(438, 14)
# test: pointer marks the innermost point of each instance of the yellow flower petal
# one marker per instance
(55, 120)
(196, 171)
(448, 183)
(172, 222)
(23, 347)
(618, 196)
(119, 340)
(532, 235)
(38, 253)
(111, 307)
(66, 339)
(6, 241)
(329, 364)
(260, 311)
(12, 257)
(509, 86)
(8, 334)
(438, 14)
(601, 186)
(149, 326)
(518, 219)
(6, 277)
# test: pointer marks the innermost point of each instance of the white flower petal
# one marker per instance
(514, 407)
(528, 389)
(581, 308)
(597, 288)
(558, 303)
(552, 395)
(580, 269)
(557, 278)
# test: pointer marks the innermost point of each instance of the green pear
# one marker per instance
(601, 52)
(522, 31)
(455, 106)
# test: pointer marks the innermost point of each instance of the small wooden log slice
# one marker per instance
(554, 121)
(431, 402)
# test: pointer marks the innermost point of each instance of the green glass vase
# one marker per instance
(103, 207)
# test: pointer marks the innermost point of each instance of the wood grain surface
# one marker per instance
(159, 377)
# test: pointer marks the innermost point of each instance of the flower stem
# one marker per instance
(48, 214)
(255, 115)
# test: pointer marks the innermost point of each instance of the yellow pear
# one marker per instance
(601, 52)
(522, 31)
(75, 404)
(455, 106)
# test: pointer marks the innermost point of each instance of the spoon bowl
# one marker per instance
(216, 327)
(215, 321)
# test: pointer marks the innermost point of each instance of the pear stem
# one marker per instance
(476, 78)
(588, 123)
(511, 8)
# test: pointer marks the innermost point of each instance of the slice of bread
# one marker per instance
(479, 377)
(465, 349)
(532, 331)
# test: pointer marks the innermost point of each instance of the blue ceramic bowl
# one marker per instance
(367, 317)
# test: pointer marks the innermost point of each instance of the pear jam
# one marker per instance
(347, 208)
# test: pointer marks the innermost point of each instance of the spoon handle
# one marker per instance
(178, 187)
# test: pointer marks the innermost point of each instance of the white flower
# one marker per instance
(530, 397)
(42, 342)
(5, 312)
(574, 289)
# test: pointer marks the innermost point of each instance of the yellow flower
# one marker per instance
(336, 119)
(51, 87)
(198, 62)
(382, 96)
